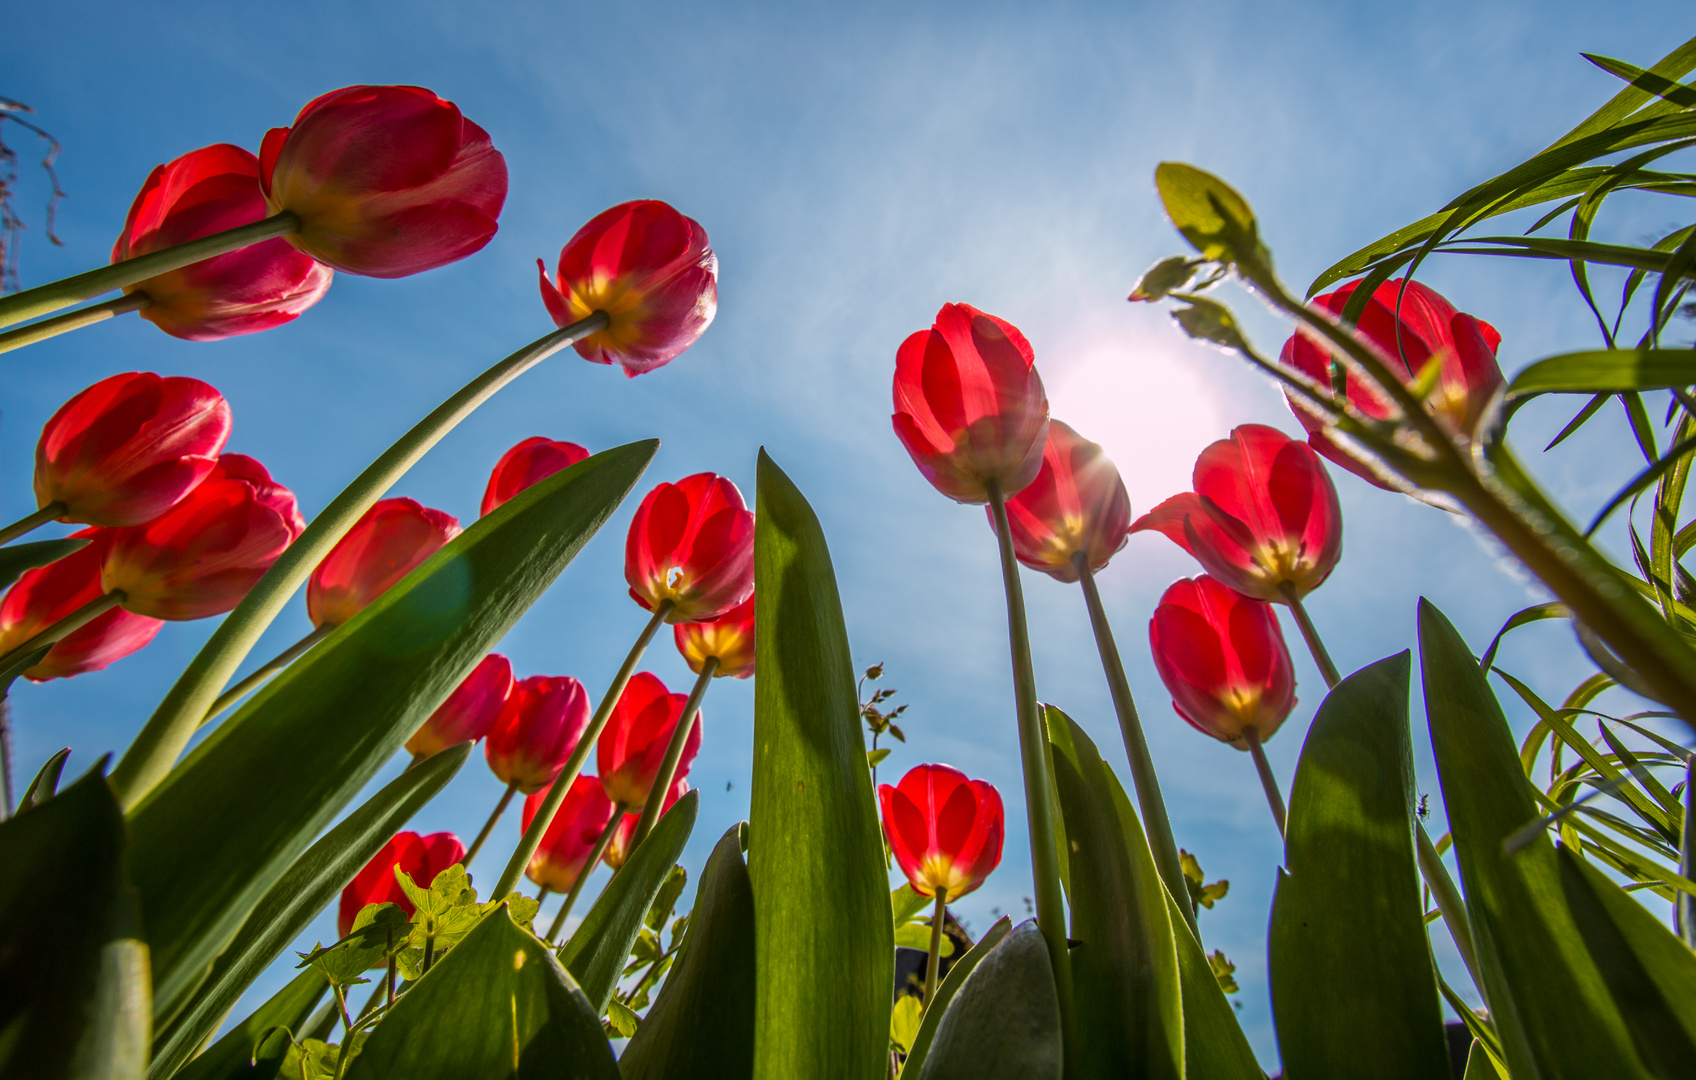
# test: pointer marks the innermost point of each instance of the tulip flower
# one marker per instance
(969, 405)
(633, 744)
(469, 712)
(45, 595)
(728, 640)
(128, 448)
(537, 731)
(387, 181)
(240, 292)
(1412, 323)
(653, 273)
(419, 857)
(1077, 505)
(620, 846)
(563, 857)
(691, 544)
(530, 461)
(381, 548)
(201, 556)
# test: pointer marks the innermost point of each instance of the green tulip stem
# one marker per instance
(1166, 856)
(32, 303)
(72, 320)
(1274, 797)
(167, 732)
(1310, 634)
(1684, 909)
(70, 624)
(1449, 902)
(532, 839)
(673, 755)
(542, 894)
(594, 860)
(938, 917)
(262, 674)
(341, 1007)
(31, 522)
(489, 826)
(1040, 799)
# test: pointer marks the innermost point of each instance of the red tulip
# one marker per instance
(242, 292)
(1264, 515)
(692, 543)
(1077, 503)
(633, 743)
(383, 546)
(571, 835)
(43, 596)
(421, 858)
(730, 638)
(1429, 326)
(530, 461)
(200, 557)
(1223, 659)
(969, 405)
(469, 712)
(537, 731)
(387, 180)
(126, 449)
(944, 829)
(618, 848)
(651, 270)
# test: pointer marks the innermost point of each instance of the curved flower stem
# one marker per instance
(71, 623)
(489, 827)
(532, 839)
(1310, 634)
(86, 286)
(594, 860)
(1159, 827)
(673, 754)
(261, 675)
(30, 522)
(166, 733)
(72, 320)
(938, 918)
(1274, 797)
(1039, 777)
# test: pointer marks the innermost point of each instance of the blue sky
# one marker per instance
(855, 169)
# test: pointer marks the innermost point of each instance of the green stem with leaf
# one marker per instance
(939, 917)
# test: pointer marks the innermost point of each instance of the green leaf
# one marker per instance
(702, 1024)
(1124, 957)
(73, 967)
(231, 1057)
(378, 933)
(958, 972)
(597, 950)
(624, 1022)
(1352, 988)
(1549, 1002)
(1209, 320)
(1212, 216)
(46, 782)
(904, 1021)
(1164, 278)
(315, 879)
(1215, 1047)
(875, 757)
(16, 558)
(905, 904)
(823, 927)
(229, 820)
(1005, 1020)
(498, 1006)
(11, 674)
(916, 935)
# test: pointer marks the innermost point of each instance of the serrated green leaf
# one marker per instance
(624, 1022)
(875, 757)
(16, 558)
(378, 933)
(1005, 1020)
(958, 972)
(232, 1056)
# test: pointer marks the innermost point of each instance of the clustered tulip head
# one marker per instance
(544, 717)
(383, 546)
(633, 744)
(1263, 517)
(1076, 505)
(531, 461)
(470, 712)
(969, 404)
(1223, 660)
(419, 857)
(571, 836)
(387, 180)
(618, 846)
(46, 594)
(728, 638)
(691, 543)
(944, 829)
(240, 292)
(653, 273)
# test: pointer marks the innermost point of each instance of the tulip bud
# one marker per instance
(469, 712)
(653, 273)
(633, 744)
(129, 447)
(1223, 660)
(421, 858)
(384, 545)
(692, 543)
(1263, 517)
(200, 557)
(969, 405)
(1077, 503)
(537, 731)
(571, 836)
(730, 638)
(530, 461)
(240, 292)
(618, 848)
(944, 830)
(387, 180)
(46, 594)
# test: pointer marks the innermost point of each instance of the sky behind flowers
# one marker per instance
(854, 171)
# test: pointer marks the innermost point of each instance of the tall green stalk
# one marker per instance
(72, 320)
(655, 805)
